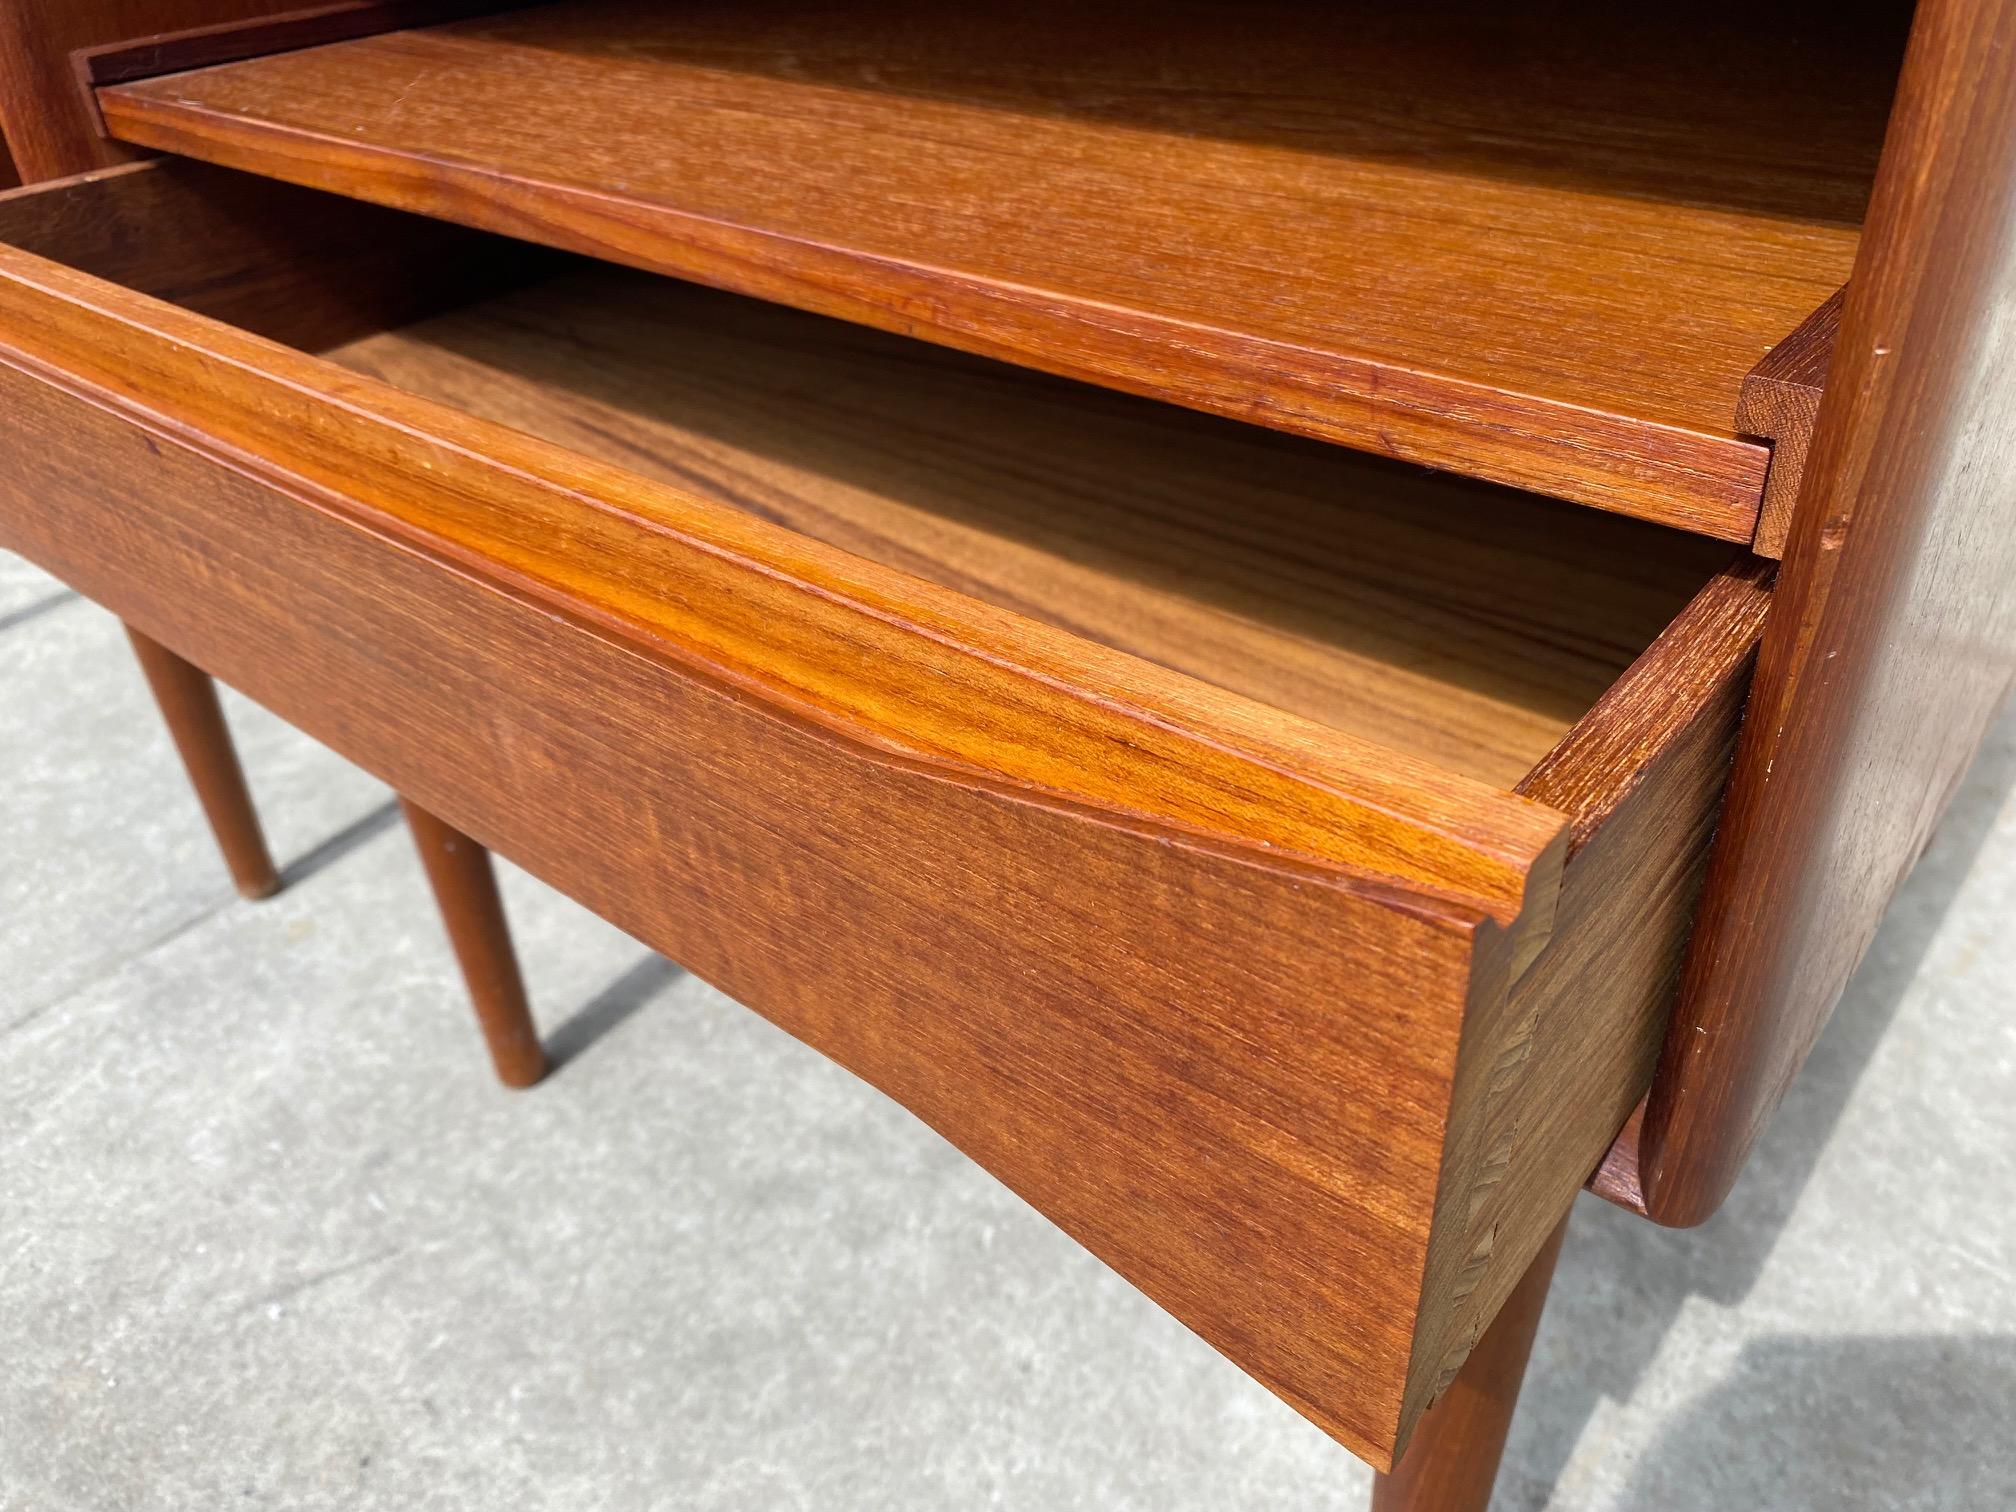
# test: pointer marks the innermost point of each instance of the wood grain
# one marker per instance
(1376, 599)
(1893, 638)
(1639, 717)
(1093, 920)
(1780, 401)
(1616, 1179)
(53, 51)
(1448, 619)
(312, 270)
(1408, 232)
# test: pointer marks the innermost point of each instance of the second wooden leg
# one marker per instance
(1452, 1460)
(188, 700)
(465, 888)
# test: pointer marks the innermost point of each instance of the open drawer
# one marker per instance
(1271, 862)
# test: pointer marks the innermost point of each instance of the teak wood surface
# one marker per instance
(1451, 620)
(1310, 1038)
(944, 678)
(188, 47)
(1540, 246)
(1892, 640)
(1890, 647)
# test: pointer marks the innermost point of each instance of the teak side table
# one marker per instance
(1306, 629)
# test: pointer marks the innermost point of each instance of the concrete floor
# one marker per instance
(270, 1236)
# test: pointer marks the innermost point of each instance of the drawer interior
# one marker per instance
(1464, 623)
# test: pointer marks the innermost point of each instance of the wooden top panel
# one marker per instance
(1539, 245)
(1432, 614)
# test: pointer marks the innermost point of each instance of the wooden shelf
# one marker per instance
(1454, 620)
(1537, 245)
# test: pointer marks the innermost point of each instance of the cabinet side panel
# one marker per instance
(1892, 639)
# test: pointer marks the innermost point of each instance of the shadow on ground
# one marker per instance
(601, 1014)
(1862, 1422)
(327, 853)
(1623, 1282)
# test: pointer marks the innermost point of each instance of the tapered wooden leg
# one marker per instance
(188, 701)
(465, 889)
(1452, 1459)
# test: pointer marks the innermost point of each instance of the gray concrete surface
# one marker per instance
(270, 1236)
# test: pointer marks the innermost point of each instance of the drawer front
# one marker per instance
(1248, 1008)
